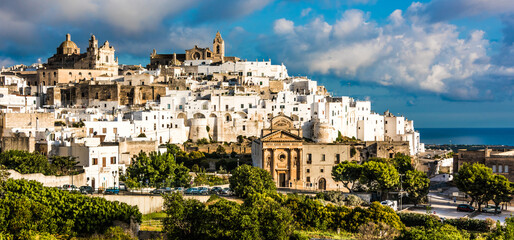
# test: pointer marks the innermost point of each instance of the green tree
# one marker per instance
(403, 163)
(185, 219)
(275, 221)
(247, 180)
(416, 183)
(339, 138)
(25, 162)
(64, 164)
(473, 180)
(157, 168)
(500, 189)
(220, 150)
(379, 176)
(347, 173)
(196, 155)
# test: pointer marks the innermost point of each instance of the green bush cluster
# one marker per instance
(417, 219)
(471, 224)
(260, 218)
(339, 198)
(429, 220)
(25, 163)
(27, 208)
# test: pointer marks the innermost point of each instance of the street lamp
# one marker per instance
(114, 178)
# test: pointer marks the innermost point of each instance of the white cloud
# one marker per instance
(283, 26)
(305, 12)
(405, 53)
(185, 37)
(6, 62)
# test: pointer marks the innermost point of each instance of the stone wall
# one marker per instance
(146, 204)
(51, 181)
(130, 148)
(22, 143)
(25, 121)
(276, 86)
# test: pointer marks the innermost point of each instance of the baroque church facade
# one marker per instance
(69, 65)
(295, 163)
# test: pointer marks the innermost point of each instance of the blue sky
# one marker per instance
(441, 63)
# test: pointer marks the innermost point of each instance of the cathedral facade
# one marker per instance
(216, 55)
(69, 65)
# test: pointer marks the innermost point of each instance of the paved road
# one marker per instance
(444, 207)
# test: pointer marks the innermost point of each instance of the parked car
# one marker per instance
(203, 190)
(112, 190)
(226, 191)
(69, 187)
(86, 190)
(192, 190)
(123, 187)
(492, 209)
(465, 208)
(391, 204)
(161, 190)
(179, 189)
(216, 190)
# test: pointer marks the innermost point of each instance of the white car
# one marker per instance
(391, 204)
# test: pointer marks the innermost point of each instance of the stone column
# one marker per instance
(272, 164)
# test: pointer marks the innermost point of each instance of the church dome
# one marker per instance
(68, 46)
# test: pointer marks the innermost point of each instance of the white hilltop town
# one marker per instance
(87, 105)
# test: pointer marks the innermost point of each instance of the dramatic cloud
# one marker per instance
(405, 53)
(228, 9)
(442, 10)
(31, 29)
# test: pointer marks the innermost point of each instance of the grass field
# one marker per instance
(152, 221)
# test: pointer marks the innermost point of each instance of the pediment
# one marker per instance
(281, 136)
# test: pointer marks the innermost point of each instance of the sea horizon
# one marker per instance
(467, 136)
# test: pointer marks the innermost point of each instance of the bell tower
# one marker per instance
(218, 47)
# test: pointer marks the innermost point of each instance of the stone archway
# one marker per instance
(322, 184)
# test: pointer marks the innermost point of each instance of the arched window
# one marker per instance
(106, 58)
(218, 49)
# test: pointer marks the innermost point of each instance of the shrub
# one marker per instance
(418, 220)
(471, 224)
(372, 231)
(353, 200)
(332, 196)
(28, 207)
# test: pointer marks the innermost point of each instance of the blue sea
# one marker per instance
(468, 136)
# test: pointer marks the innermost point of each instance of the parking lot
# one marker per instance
(444, 207)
